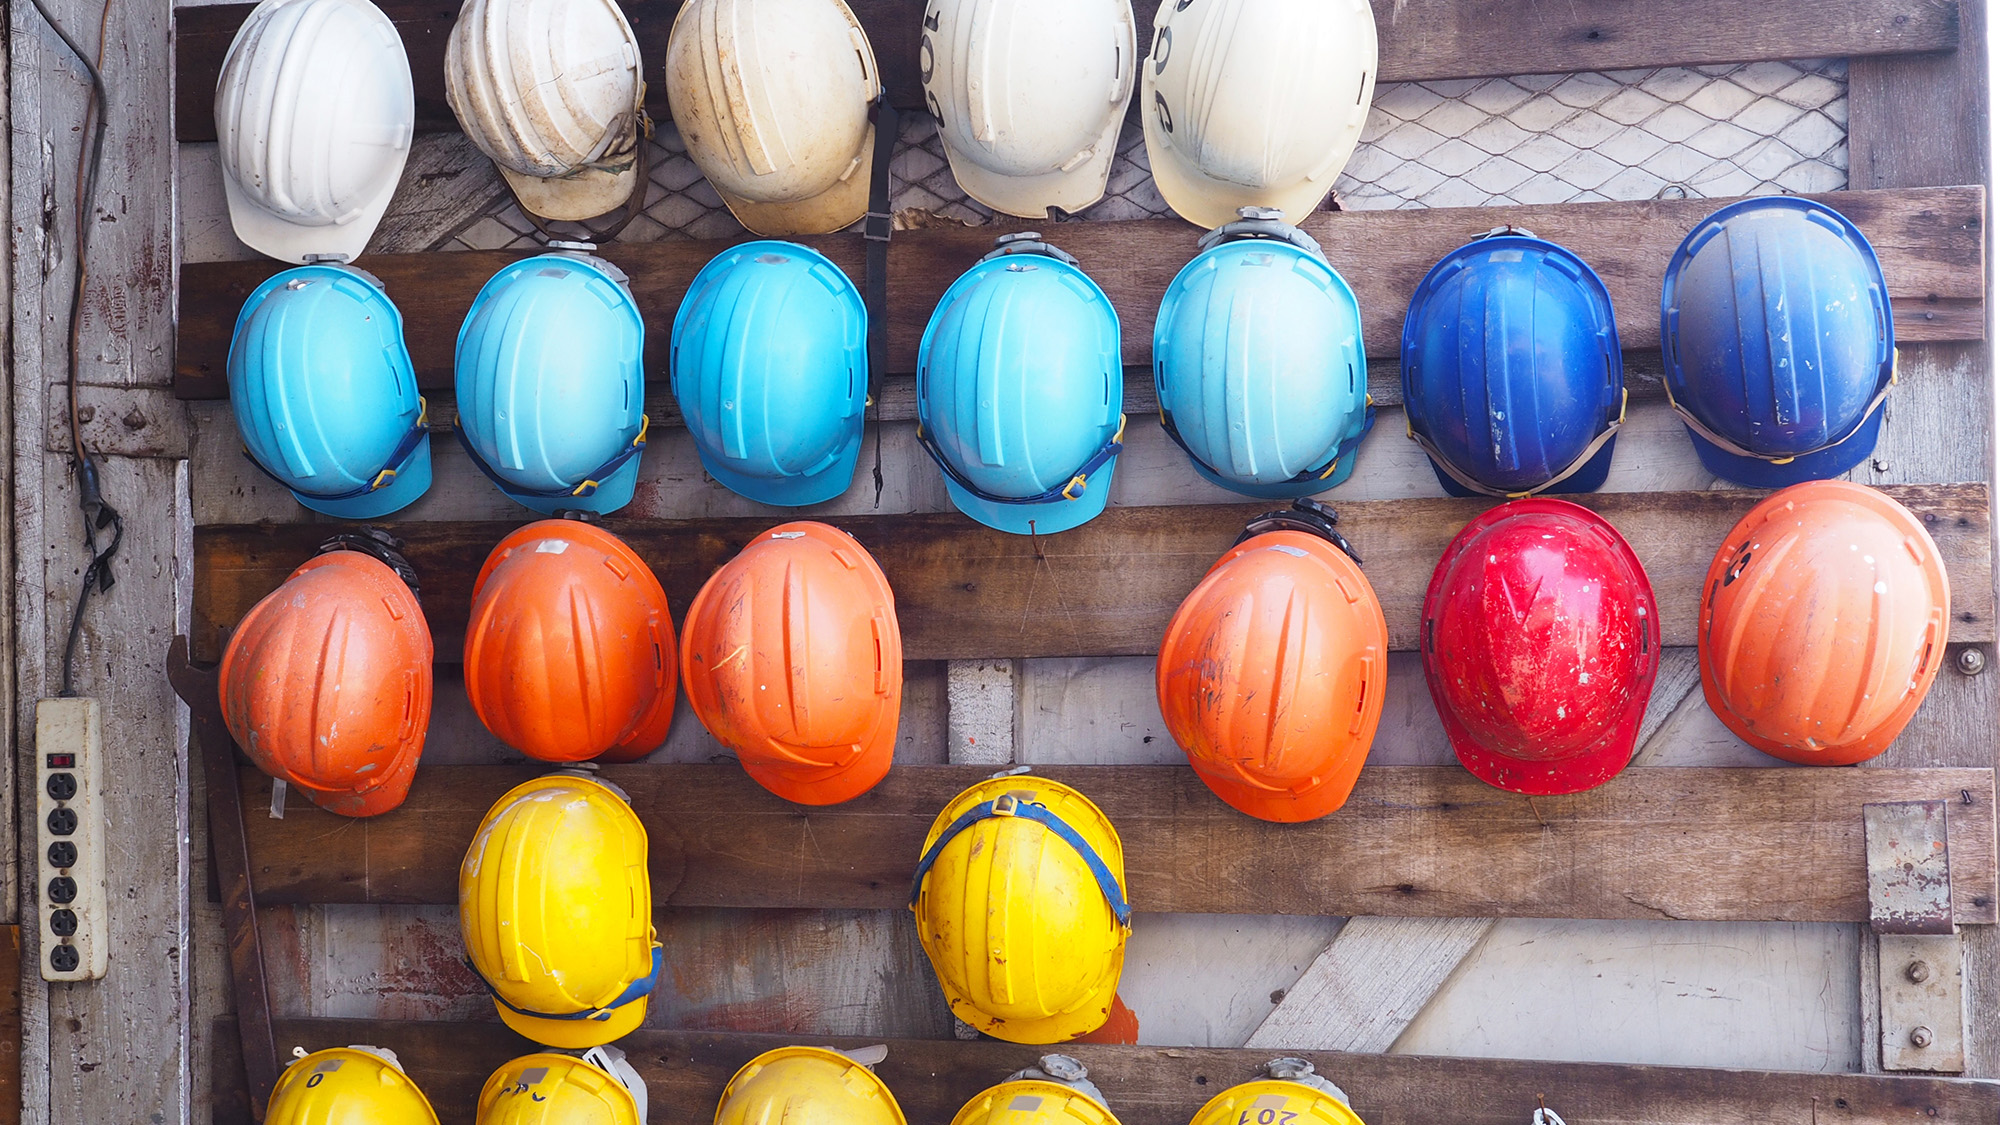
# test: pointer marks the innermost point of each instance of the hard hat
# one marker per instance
(1057, 1091)
(1258, 362)
(795, 662)
(1779, 345)
(770, 367)
(551, 393)
(807, 1086)
(314, 110)
(556, 909)
(772, 99)
(324, 394)
(1029, 96)
(600, 1088)
(569, 653)
(1273, 671)
(1021, 907)
(347, 1086)
(1020, 389)
(553, 93)
(326, 683)
(1291, 1095)
(1540, 642)
(1512, 378)
(1248, 103)
(1823, 622)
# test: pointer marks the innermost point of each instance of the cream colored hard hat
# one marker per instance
(1029, 96)
(772, 99)
(552, 91)
(1255, 103)
(314, 110)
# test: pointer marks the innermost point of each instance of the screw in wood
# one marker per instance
(1918, 971)
(1920, 1037)
(1971, 661)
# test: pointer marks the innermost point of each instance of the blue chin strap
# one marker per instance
(1070, 489)
(1007, 805)
(383, 478)
(591, 480)
(1340, 452)
(637, 990)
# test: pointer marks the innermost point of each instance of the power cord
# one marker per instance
(98, 516)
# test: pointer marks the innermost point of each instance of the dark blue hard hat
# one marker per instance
(1512, 378)
(1779, 346)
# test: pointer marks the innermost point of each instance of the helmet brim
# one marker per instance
(793, 491)
(1047, 519)
(1209, 204)
(1823, 465)
(830, 786)
(584, 194)
(1603, 761)
(1030, 197)
(1285, 808)
(835, 209)
(280, 238)
(576, 1035)
(1288, 490)
(613, 493)
(1590, 478)
(385, 797)
(412, 480)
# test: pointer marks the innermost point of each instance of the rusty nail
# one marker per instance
(1918, 971)
(134, 420)
(1971, 660)
(1920, 1037)
(85, 413)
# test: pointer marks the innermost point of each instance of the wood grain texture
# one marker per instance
(1107, 588)
(685, 1072)
(1412, 841)
(1930, 242)
(1419, 39)
(1369, 983)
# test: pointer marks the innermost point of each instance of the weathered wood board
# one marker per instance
(685, 1072)
(1930, 242)
(1771, 844)
(1419, 39)
(966, 591)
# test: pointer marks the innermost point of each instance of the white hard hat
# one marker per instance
(314, 110)
(772, 98)
(1255, 103)
(1029, 96)
(552, 91)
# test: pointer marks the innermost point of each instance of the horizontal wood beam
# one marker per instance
(685, 1072)
(1930, 241)
(1108, 588)
(1413, 841)
(1420, 39)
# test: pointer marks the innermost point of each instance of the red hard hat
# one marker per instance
(794, 661)
(569, 653)
(1540, 643)
(326, 684)
(1272, 675)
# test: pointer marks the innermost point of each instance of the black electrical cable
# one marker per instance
(98, 516)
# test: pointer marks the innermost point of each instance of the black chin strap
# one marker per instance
(1307, 515)
(875, 290)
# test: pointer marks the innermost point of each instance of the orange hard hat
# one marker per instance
(326, 683)
(1823, 623)
(569, 653)
(794, 661)
(1272, 674)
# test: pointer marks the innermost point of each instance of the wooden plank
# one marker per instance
(1369, 983)
(1931, 243)
(966, 591)
(1414, 841)
(1419, 39)
(10, 1025)
(686, 1070)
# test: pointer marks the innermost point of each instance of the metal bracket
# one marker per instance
(1920, 967)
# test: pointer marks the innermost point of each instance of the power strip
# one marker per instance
(69, 814)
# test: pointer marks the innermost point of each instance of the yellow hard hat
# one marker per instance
(808, 1086)
(1058, 1092)
(1292, 1095)
(600, 1088)
(557, 911)
(1020, 904)
(347, 1086)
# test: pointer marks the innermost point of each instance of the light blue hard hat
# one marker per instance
(324, 394)
(1019, 390)
(1258, 362)
(770, 367)
(551, 391)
